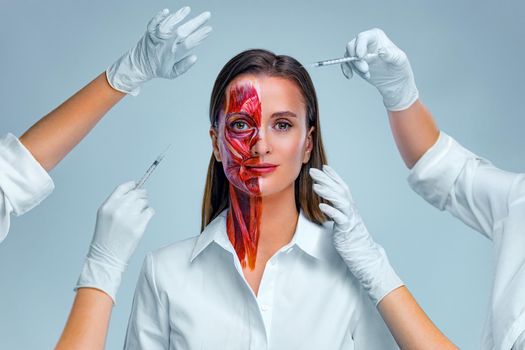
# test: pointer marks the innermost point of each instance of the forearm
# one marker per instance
(88, 322)
(408, 323)
(53, 136)
(414, 131)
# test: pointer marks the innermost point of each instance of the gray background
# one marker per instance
(467, 57)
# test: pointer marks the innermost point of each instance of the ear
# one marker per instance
(214, 137)
(309, 145)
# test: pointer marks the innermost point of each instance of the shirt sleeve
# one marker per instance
(471, 188)
(371, 331)
(148, 326)
(24, 183)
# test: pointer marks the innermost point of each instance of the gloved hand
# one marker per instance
(121, 222)
(163, 51)
(389, 71)
(366, 259)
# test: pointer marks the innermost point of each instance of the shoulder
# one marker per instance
(170, 262)
(168, 267)
(174, 252)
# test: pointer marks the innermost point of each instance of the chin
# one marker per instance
(256, 190)
(261, 186)
(267, 188)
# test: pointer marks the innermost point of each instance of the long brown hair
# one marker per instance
(257, 61)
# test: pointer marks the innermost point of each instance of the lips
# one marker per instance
(260, 168)
(256, 162)
(261, 165)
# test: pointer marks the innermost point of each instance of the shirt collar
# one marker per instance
(312, 238)
(212, 232)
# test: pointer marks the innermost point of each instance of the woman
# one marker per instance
(269, 269)
(452, 178)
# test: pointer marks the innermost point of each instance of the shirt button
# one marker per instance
(265, 307)
(272, 262)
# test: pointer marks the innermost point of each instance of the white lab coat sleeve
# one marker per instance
(471, 188)
(508, 301)
(148, 326)
(517, 192)
(371, 331)
(520, 343)
(24, 183)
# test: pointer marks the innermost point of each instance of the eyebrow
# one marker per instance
(284, 114)
(238, 113)
(274, 115)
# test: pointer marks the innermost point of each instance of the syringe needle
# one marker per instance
(152, 167)
(340, 60)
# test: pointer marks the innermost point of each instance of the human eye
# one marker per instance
(283, 125)
(239, 125)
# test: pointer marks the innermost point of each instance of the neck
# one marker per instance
(259, 226)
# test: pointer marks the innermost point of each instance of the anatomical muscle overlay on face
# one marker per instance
(243, 109)
(262, 142)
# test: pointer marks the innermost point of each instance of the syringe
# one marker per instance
(151, 168)
(340, 60)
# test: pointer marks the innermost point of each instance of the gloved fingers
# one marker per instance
(330, 178)
(192, 25)
(133, 198)
(148, 212)
(154, 22)
(145, 216)
(350, 48)
(323, 192)
(392, 55)
(124, 188)
(333, 197)
(385, 54)
(335, 176)
(183, 65)
(385, 48)
(141, 193)
(140, 205)
(166, 27)
(195, 38)
(337, 216)
(178, 16)
(365, 42)
(347, 70)
(322, 178)
(124, 206)
(346, 67)
(361, 66)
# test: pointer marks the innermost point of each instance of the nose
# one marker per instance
(261, 145)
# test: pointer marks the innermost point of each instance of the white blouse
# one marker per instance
(193, 295)
(492, 202)
(24, 183)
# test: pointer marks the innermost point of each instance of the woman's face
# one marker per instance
(262, 138)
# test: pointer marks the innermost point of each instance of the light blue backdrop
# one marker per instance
(467, 57)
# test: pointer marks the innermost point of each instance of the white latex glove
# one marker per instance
(389, 71)
(121, 222)
(366, 259)
(162, 52)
